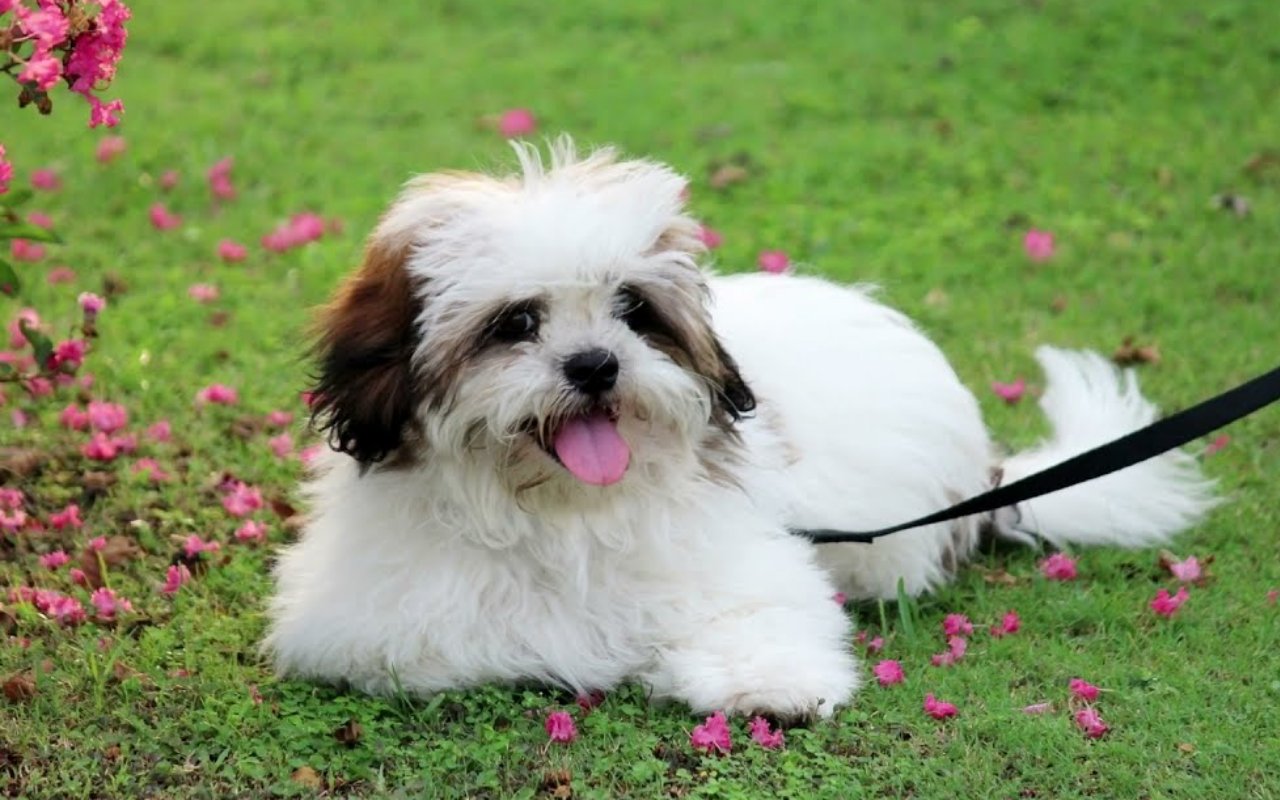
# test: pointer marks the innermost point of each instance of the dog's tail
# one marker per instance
(1089, 402)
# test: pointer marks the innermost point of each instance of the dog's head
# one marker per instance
(551, 326)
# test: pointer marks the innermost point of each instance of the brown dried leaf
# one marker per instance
(1129, 354)
(557, 783)
(726, 175)
(1263, 162)
(937, 298)
(246, 427)
(308, 777)
(117, 551)
(18, 463)
(1058, 304)
(219, 319)
(113, 285)
(998, 576)
(348, 733)
(19, 687)
(282, 507)
(1187, 747)
(112, 753)
(98, 482)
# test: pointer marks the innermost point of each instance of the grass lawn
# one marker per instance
(906, 144)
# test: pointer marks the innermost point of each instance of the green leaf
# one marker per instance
(25, 230)
(15, 198)
(7, 370)
(40, 344)
(9, 283)
(906, 610)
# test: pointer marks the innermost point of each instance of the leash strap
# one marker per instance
(1144, 443)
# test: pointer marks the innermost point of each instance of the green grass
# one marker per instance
(906, 144)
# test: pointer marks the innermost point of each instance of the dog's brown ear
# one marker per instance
(364, 393)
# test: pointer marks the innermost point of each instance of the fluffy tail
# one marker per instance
(1089, 402)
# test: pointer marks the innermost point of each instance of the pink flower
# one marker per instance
(17, 339)
(100, 448)
(758, 727)
(127, 443)
(97, 544)
(774, 261)
(48, 26)
(1083, 689)
(151, 469)
(23, 250)
(217, 394)
(1217, 445)
(169, 179)
(54, 560)
(74, 418)
(299, 230)
(280, 419)
(1010, 623)
(78, 577)
(1187, 571)
(712, 736)
(40, 220)
(517, 122)
(281, 445)
(1059, 567)
(109, 148)
(101, 113)
(1090, 721)
(6, 170)
(160, 431)
(193, 546)
(39, 386)
(203, 292)
(219, 176)
(162, 219)
(91, 303)
(1166, 605)
(309, 453)
(108, 604)
(875, 645)
(251, 531)
(956, 648)
(11, 498)
(560, 727)
(889, 672)
(938, 709)
(43, 70)
(710, 237)
(46, 180)
(174, 578)
(1038, 708)
(66, 610)
(107, 417)
(839, 598)
(957, 625)
(242, 500)
(68, 356)
(1011, 393)
(60, 274)
(1038, 245)
(13, 521)
(231, 252)
(590, 700)
(68, 517)
(1272, 596)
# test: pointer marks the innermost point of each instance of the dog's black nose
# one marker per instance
(592, 371)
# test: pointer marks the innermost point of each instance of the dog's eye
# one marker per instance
(516, 324)
(632, 308)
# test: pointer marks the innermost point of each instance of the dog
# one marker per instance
(563, 452)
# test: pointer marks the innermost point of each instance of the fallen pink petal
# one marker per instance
(281, 445)
(217, 394)
(1038, 245)
(1009, 623)
(232, 252)
(758, 728)
(560, 727)
(175, 578)
(713, 735)
(54, 560)
(889, 672)
(710, 237)
(1059, 567)
(162, 219)
(194, 545)
(108, 604)
(1037, 708)
(1187, 570)
(1090, 721)
(251, 531)
(1217, 445)
(68, 517)
(1167, 605)
(956, 625)
(203, 292)
(517, 122)
(1083, 690)
(59, 275)
(938, 709)
(1010, 392)
(46, 180)
(875, 645)
(774, 262)
(242, 500)
(109, 149)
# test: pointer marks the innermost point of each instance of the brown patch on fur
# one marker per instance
(365, 393)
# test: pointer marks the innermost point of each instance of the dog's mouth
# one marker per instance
(587, 444)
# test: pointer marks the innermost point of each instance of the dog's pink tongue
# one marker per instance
(591, 448)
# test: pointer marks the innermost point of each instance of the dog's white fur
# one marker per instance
(477, 558)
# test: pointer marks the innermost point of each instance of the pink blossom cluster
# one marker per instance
(301, 229)
(69, 42)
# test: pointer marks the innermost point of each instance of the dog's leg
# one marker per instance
(756, 632)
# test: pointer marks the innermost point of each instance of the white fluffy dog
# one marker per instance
(562, 452)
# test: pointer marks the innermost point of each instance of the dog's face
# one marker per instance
(550, 326)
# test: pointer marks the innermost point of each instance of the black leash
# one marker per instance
(1158, 437)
